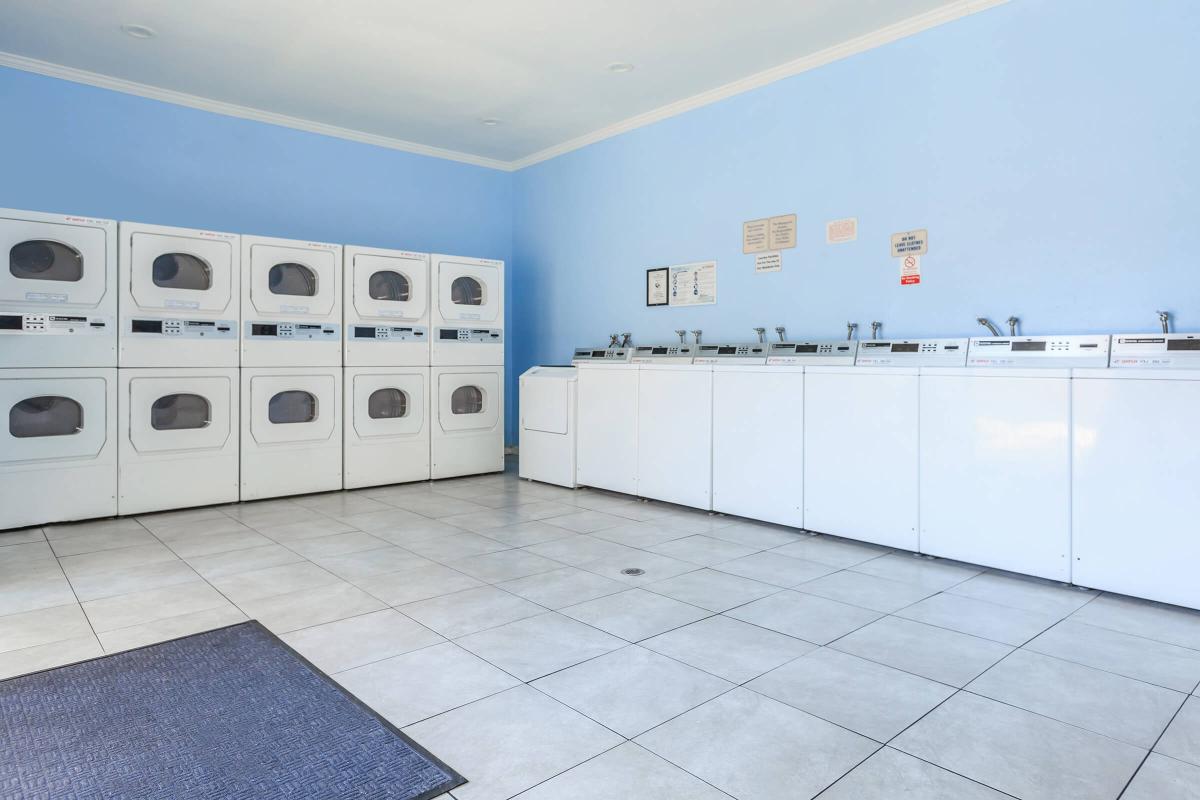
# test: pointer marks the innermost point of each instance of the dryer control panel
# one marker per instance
(1039, 351)
(1161, 351)
(831, 354)
(54, 324)
(730, 353)
(609, 355)
(912, 353)
(183, 328)
(663, 354)
(472, 335)
(388, 333)
(296, 331)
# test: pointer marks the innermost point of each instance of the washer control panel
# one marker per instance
(388, 333)
(1161, 351)
(297, 331)
(912, 353)
(609, 355)
(54, 324)
(471, 335)
(831, 354)
(728, 353)
(183, 328)
(1039, 351)
(663, 354)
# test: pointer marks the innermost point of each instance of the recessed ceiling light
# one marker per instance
(491, 122)
(620, 66)
(138, 31)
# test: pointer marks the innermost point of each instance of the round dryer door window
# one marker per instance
(292, 279)
(389, 286)
(48, 415)
(387, 404)
(45, 260)
(176, 412)
(467, 400)
(181, 271)
(466, 291)
(292, 407)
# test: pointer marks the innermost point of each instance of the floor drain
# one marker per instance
(633, 571)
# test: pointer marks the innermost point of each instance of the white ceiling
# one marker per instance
(425, 72)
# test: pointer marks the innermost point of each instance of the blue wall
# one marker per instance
(1051, 148)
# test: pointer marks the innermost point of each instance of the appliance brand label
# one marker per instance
(45, 297)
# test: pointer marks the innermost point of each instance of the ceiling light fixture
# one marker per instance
(620, 67)
(491, 122)
(138, 31)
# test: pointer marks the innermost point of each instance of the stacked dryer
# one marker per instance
(386, 377)
(58, 376)
(178, 376)
(467, 366)
(291, 355)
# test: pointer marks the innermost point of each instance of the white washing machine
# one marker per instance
(179, 297)
(549, 425)
(291, 303)
(466, 311)
(674, 428)
(291, 431)
(178, 435)
(758, 430)
(1134, 497)
(861, 440)
(995, 443)
(387, 426)
(387, 308)
(58, 296)
(468, 420)
(607, 399)
(58, 452)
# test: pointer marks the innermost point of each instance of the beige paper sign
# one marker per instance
(910, 243)
(783, 232)
(754, 236)
(841, 230)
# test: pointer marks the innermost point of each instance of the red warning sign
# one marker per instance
(910, 270)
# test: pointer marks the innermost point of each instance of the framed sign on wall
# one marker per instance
(656, 286)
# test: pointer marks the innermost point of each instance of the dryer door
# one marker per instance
(181, 272)
(468, 401)
(389, 405)
(390, 287)
(468, 291)
(293, 408)
(51, 419)
(292, 280)
(180, 413)
(47, 262)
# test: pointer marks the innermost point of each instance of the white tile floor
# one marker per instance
(490, 618)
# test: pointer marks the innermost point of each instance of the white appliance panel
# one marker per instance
(387, 308)
(674, 444)
(548, 431)
(387, 426)
(291, 303)
(608, 427)
(467, 311)
(758, 443)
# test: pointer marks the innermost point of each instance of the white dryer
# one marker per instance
(387, 308)
(1134, 468)
(58, 451)
(291, 431)
(548, 431)
(467, 311)
(468, 420)
(58, 296)
(995, 443)
(179, 297)
(387, 424)
(178, 435)
(861, 440)
(291, 303)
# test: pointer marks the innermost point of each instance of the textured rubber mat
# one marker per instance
(232, 713)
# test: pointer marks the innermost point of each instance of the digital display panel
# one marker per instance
(146, 326)
(904, 347)
(363, 332)
(806, 348)
(1029, 347)
(1183, 344)
(727, 351)
(9, 322)
(659, 351)
(259, 329)
(448, 333)
(598, 354)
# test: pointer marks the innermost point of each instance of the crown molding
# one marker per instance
(878, 38)
(242, 112)
(860, 44)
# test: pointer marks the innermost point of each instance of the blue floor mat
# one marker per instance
(232, 713)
